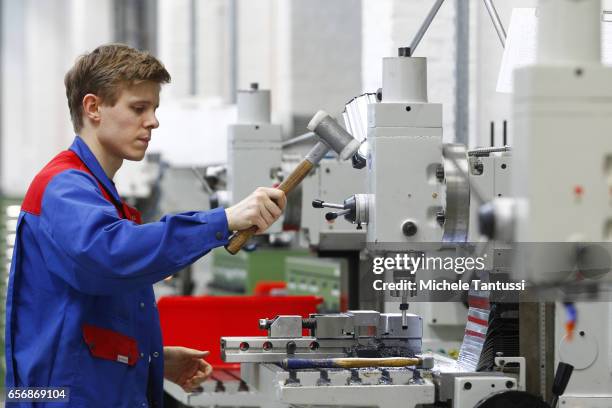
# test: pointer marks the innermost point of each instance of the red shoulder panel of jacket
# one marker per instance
(66, 160)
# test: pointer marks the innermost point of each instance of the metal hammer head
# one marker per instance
(333, 135)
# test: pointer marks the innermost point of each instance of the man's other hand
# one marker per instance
(186, 367)
(260, 208)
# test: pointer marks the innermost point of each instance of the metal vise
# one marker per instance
(352, 334)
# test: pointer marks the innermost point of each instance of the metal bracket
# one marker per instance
(502, 361)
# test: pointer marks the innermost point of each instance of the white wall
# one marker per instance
(40, 41)
(256, 43)
(206, 52)
(318, 59)
(173, 45)
(194, 110)
(312, 54)
(308, 53)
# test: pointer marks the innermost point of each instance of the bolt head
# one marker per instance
(409, 228)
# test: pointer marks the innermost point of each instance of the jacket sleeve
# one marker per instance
(87, 244)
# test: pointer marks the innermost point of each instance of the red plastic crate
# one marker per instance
(266, 288)
(199, 322)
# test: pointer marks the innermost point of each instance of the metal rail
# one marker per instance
(423, 29)
(499, 27)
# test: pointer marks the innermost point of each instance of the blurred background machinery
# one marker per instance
(430, 170)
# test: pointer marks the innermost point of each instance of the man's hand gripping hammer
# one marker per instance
(332, 136)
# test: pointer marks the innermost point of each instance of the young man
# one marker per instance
(81, 312)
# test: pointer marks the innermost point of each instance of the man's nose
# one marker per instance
(152, 122)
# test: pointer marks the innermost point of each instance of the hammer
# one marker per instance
(356, 362)
(332, 136)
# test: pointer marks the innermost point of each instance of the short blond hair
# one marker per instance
(104, 72)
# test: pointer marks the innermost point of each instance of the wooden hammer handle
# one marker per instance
(350, 362)
(240, 238)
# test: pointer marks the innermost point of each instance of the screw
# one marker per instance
(264, 324)
(509, 384)
(219, 387)
(440, 173)
(243, 386)
(467, 386)
(441, 217)
(379, 94)
(409, 228)
(354, 379)
(309, 323)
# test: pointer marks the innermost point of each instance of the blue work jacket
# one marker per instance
(80, 309)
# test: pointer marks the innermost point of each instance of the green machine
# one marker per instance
(304, 273)
(238, 274)
(324, 277)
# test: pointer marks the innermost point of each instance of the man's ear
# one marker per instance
(91, 107)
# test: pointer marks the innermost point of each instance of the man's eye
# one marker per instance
(138, 109)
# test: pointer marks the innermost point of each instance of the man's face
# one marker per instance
(125, 128)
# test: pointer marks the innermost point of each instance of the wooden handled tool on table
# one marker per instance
(356, 362)
(332, 136)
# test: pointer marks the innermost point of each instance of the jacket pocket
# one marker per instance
(110, 345)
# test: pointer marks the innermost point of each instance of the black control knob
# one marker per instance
(358, 161)
(330, 216)
(409, 228)
(317, 203)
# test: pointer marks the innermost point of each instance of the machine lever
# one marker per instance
(322, 204)
(330, 216)
(562, 377)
